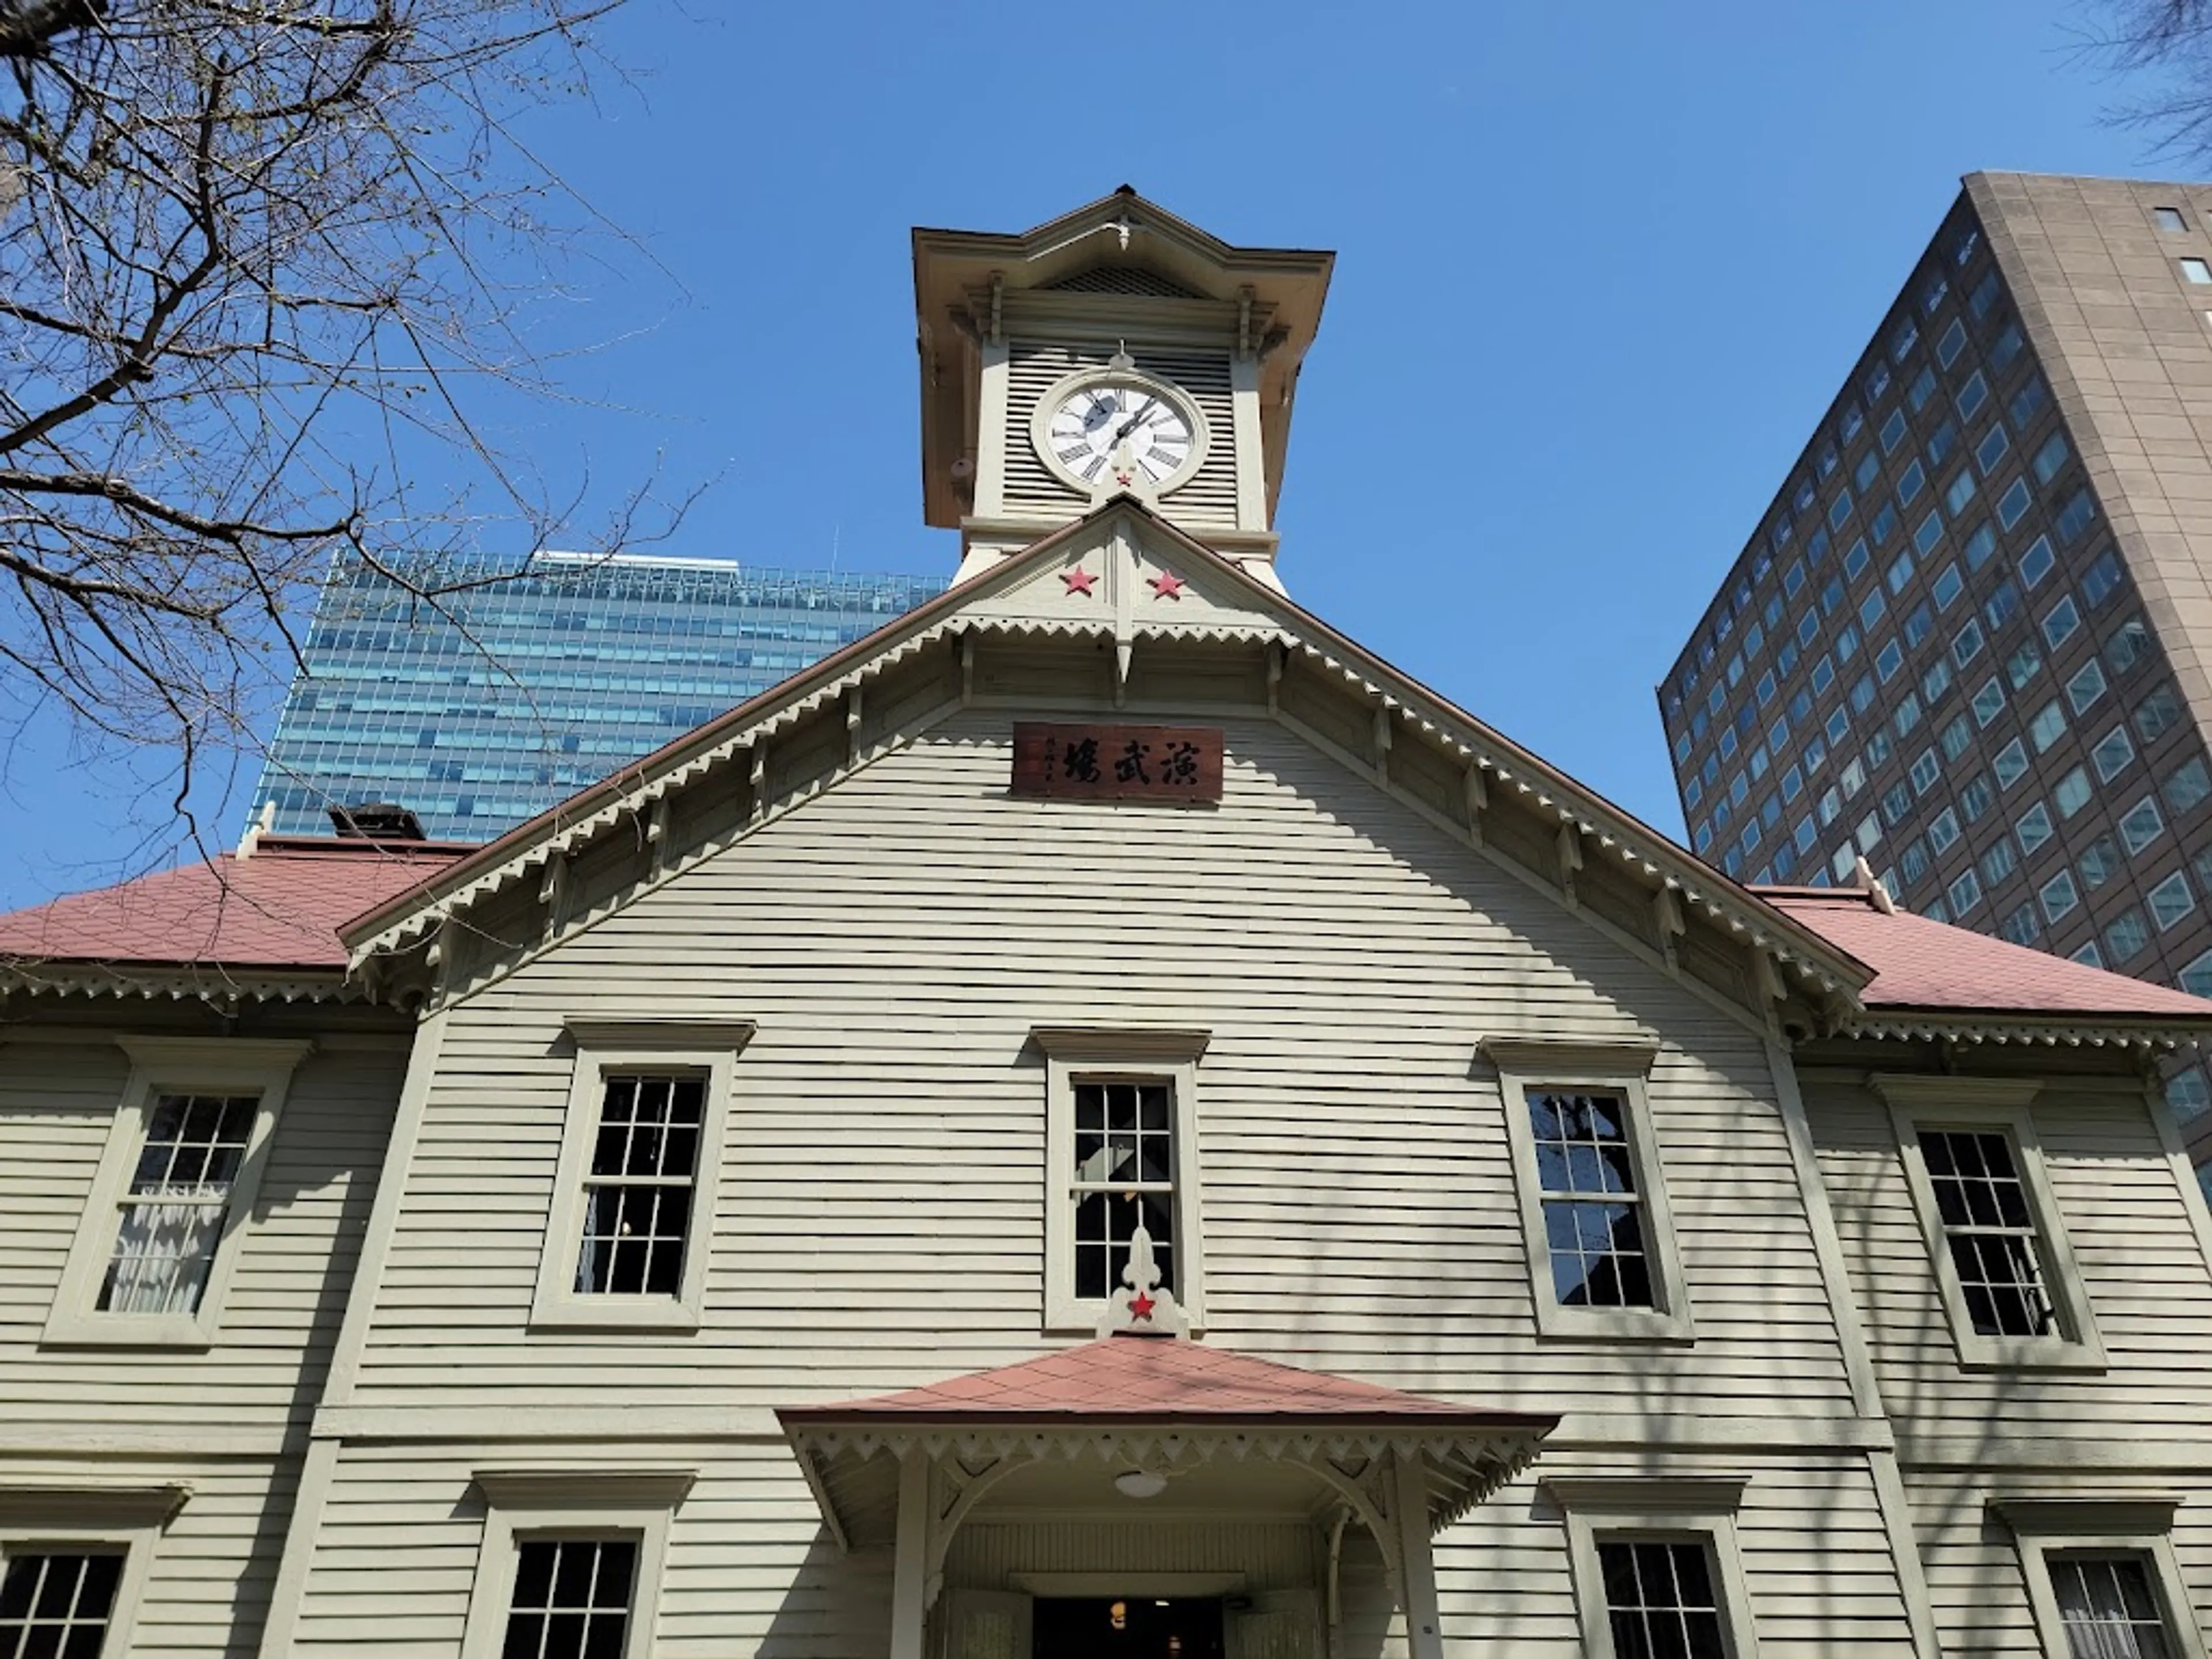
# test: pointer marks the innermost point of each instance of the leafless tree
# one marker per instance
(256, 257)
(2167, 43)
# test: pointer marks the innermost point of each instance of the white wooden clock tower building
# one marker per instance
(1100, 1121)
(1061, 367)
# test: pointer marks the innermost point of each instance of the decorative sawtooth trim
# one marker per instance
(94, 981)
(1477, 1465)
(1719, 907)
(1997, 1034)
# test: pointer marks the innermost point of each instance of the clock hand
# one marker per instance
(1130, 425)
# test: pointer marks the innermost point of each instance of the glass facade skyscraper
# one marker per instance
(482, 708)
(1971, 640)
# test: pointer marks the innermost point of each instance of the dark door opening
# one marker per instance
(1127, 1627)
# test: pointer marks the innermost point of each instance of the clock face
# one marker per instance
(1122, 431)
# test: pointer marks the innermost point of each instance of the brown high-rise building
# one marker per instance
(1971, 641)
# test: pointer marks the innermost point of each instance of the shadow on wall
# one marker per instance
(320, 1158)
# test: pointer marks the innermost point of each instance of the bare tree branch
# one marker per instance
(241, 242)
(2167, 43)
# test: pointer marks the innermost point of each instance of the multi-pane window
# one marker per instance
(55, 1605)
(1990, 1230)
(1592, 1205)
(2107, 1606)
(638, 1195)
(2033, 827)
(572, 1598)
(1124, 1174)
(1662, 1598)
(175, 1206)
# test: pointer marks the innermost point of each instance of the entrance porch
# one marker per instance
(1149, 1497)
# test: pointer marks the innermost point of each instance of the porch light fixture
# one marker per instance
(1139, 1483)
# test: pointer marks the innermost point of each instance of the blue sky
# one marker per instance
(1599, 271)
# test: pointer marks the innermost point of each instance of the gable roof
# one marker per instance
(1011, 598)
(276, 911)
(1922, 965)
(1132, 1378)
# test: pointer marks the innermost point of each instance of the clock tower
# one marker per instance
(1116, 349)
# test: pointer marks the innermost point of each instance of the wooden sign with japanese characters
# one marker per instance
(1117, 762)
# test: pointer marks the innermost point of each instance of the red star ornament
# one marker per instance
(1168, 585)
(1141, 1306)
(1079, 580)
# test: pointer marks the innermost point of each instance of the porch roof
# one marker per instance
(1160, 1403)
(1135, 1378)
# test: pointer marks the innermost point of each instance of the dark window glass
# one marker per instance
(55, 1605)
(1989, 1232)
(2107, 1606)
(637, 1198)
(1593, 1207)
(572, 1598)
(1125, 1173)
(2074, 518)
(1661, 1600)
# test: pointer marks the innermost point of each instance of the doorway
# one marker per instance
(1127, 1627)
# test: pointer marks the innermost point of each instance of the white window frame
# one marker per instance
(1135, 1053)
(648, 1046)
(2042, 1524)
(1647, 1508)
(532, 1503)
(44, 1518)
(1539, 1064)
(1981, 1105)
(169, 1065)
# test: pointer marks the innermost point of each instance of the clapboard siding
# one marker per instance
(1975, 1578)
(296, 1251)
(2148, 1289)
(750, 1571)
(1818, 1568)
(213, 1568)
(896, 938)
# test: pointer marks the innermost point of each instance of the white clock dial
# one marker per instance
(1121, 432)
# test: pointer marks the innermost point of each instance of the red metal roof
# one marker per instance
(1920, 963)
(278, 908)
(1156, 1379)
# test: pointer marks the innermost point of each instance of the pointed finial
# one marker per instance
(1143, 1306)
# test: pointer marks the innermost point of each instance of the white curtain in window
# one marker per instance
(163, 1251)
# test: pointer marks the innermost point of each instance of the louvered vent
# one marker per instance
(1124, 279)
(1207, 499)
